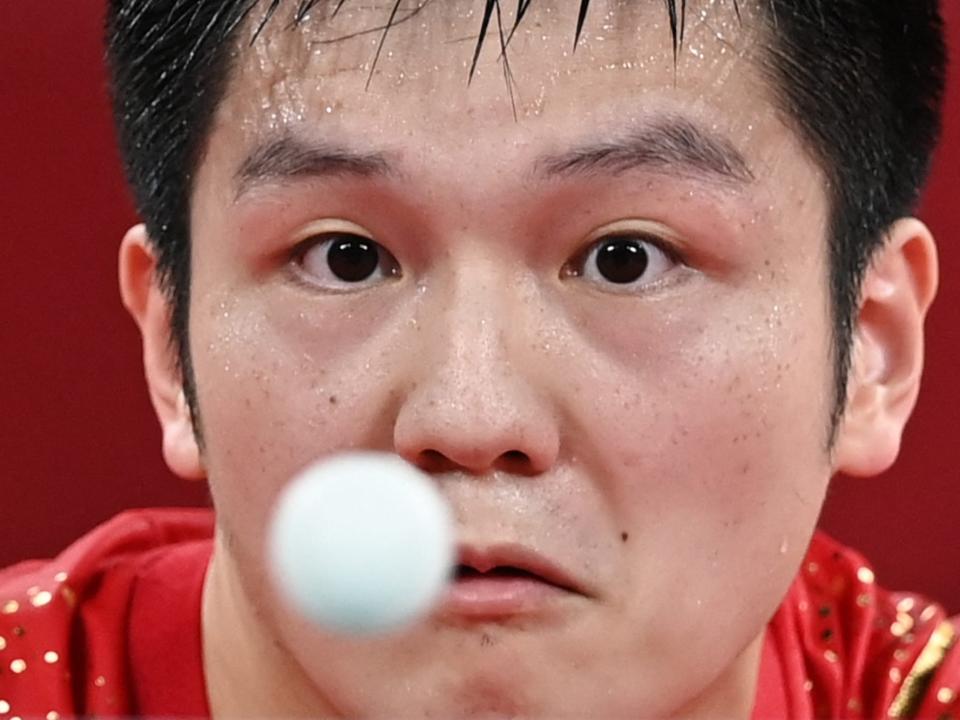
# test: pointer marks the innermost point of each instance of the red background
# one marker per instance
(78, 440)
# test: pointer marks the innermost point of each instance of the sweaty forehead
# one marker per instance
(430, 46)
(342, 74)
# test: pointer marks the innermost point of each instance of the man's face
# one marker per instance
(599, 318)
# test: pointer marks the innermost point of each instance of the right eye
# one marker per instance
(344, 262)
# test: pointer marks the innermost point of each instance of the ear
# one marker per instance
(148, 305)
(887, 359)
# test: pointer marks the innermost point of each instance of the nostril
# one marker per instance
(434, 461)
(515, 456)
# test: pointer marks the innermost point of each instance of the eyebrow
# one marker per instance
(288, 158)
(669, 144)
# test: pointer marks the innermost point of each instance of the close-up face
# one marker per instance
(587, 293)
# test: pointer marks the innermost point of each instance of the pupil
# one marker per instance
(353, 259)
(622, 261)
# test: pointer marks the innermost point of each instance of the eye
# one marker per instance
(345, 261)
(625, 261)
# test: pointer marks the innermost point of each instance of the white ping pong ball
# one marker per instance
(362, 543)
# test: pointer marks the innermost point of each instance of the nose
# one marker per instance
(476, 405)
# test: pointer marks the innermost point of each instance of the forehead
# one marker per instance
(346, 74)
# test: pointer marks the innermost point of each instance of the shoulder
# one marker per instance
(867, 651)
(64, 619)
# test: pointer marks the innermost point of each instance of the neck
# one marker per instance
(734, 693)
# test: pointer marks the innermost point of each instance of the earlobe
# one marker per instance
(180, 448)
(887, 360)
(147, 304)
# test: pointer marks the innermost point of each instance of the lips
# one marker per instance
(501, 582)
(513, 561)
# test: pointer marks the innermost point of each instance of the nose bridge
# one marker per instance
(473, 322)
(470, 331)
(475, 405)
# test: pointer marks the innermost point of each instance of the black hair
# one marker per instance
(860, 81)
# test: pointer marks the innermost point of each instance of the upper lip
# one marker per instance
(485, 559)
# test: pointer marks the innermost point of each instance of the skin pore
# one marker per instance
(663, 441)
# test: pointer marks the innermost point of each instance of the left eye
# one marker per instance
(624, 261)
(345, 261)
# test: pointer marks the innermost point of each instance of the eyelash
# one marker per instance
(646, 238)
(299, 251)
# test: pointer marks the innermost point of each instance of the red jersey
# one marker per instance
(112, 628)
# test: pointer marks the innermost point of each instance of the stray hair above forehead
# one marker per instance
(493, 12)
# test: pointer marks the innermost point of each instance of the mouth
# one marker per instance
(465, 572)
(506, 580)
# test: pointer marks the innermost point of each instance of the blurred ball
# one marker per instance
(362, 543)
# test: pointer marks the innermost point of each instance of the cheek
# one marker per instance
(711, 426)
(712, 437)
(277, 388)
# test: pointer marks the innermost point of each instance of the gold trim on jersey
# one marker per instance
(915, 685)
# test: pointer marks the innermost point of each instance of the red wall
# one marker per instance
(78, 440)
